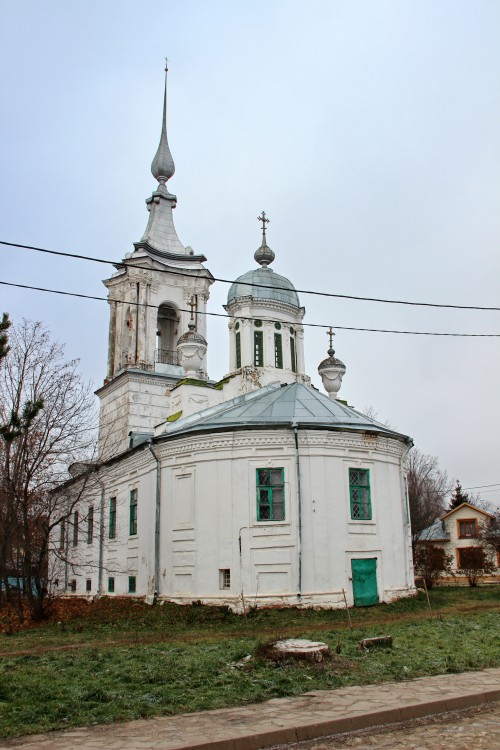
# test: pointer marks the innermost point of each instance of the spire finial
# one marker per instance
(163, 166)
(331, 333)
(264, 221)
(264, 255)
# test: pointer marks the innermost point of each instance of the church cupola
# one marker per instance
(266, 333)
(332, 370)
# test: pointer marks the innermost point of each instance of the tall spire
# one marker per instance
(163, 166)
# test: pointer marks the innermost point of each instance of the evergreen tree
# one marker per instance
(4, 338)
(459, 496)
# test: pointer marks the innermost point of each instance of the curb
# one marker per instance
(310, 731)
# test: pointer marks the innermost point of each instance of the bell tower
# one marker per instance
(149, 298)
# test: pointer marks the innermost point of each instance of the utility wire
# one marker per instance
(240, 317)
(480, 486)
(250, 283)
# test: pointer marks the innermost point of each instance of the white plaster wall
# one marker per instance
(208, 504)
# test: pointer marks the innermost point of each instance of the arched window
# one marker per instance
(167, 334)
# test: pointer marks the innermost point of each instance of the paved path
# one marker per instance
(283, 720)
(472, 729)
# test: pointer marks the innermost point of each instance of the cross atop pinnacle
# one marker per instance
(264, 221)
(264, 255)
(331, 333)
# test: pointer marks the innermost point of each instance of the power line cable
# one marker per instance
(241, 317)
(480, 486)
(250, 283)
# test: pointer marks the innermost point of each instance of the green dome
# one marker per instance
(253, 284)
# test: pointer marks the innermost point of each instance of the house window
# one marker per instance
(90, 525)
(258, 348)
(75, 528)
(270, 495)
(72, 585)
(112, 518)
(238, 350)
(88, 585)
(62, 538)
(470, 557)
(293, 357)
(225, 578)
(131, 584)
(467, 529)
(278, 351)
(111, 585)
(133, 513)
(359, 490)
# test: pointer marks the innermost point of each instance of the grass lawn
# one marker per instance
(120, 660)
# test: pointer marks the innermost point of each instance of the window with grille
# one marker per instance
(90, 525)
(359, 489)
(112, 518)
(292, 354)
(467, 529)
(75, 528)
(258, 348)
(238, 350)
(133, 513)
(131, 584)
(270, 495)
(278, 351)
(225, 578)
(111, 585)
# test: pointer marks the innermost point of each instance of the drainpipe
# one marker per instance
(157, 524)
(101, 539)
(294, 427)
(406, 516)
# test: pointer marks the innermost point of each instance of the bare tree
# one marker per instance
(475, 563)
(47, 420)
(428, 488)
(431, 563)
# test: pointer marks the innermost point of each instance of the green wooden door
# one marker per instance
(364, 581)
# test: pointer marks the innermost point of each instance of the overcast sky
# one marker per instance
(369, 131)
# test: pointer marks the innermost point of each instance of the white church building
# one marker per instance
(257, 489)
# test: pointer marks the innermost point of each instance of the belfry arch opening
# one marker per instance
(167, 325)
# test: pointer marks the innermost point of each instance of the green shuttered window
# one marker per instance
(359, 490)
(278, 351)
(270, 494)
(258, 348)
(238, 350)
(133, 513)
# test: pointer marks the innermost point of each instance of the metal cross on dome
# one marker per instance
(263, 218)
(192, 305)
(330, 333)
